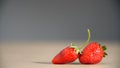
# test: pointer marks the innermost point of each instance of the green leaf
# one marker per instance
(105, 54)
(75, 48)
(104, 47)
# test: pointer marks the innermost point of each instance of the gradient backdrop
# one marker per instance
(59, 19)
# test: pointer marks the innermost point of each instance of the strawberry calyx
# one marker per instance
(105, 54)
(104, 48)
(75, 48)
(79, 50)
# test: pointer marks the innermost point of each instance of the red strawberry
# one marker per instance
(92, 53)
(67, 55)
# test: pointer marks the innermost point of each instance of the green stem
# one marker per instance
(87, 41)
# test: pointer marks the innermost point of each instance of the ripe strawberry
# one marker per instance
(92, 53)
(67, 55)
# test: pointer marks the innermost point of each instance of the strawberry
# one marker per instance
(67, 55)
(92, 53)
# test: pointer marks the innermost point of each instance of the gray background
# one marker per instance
(59, 19)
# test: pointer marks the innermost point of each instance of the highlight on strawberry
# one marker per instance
(87, 53)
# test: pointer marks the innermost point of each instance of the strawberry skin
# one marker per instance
(67, 55)
(91, 54)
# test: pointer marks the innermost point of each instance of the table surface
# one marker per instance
(39, 55)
